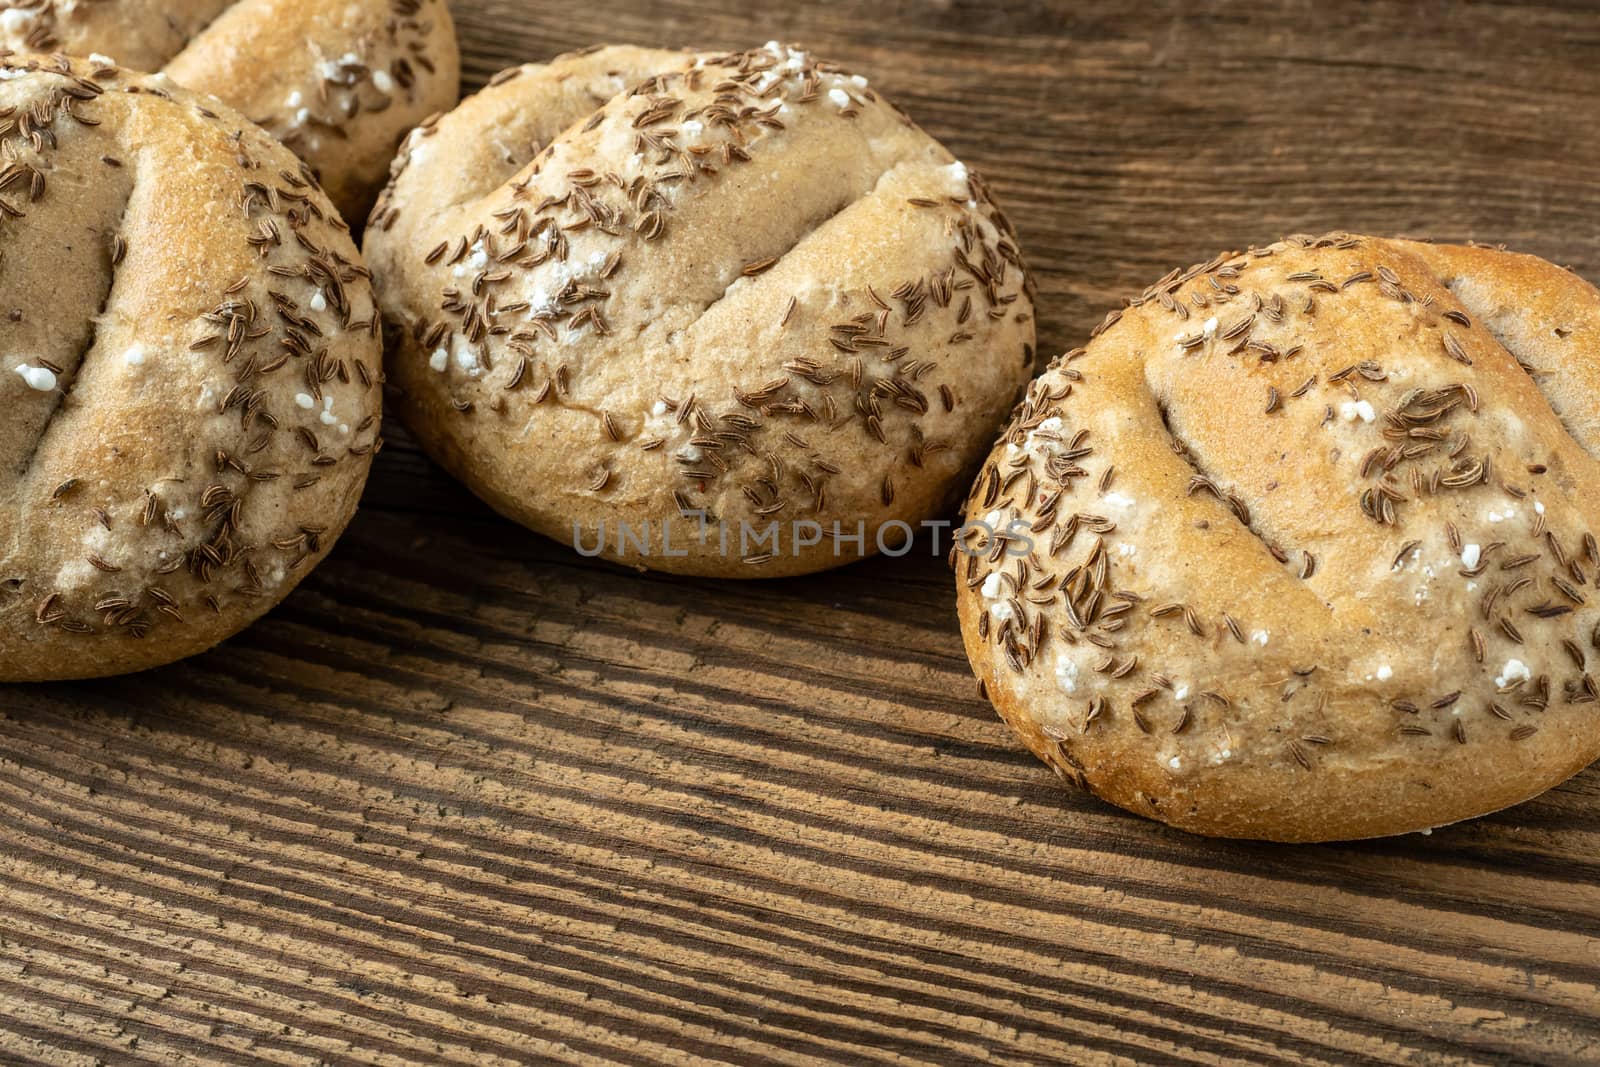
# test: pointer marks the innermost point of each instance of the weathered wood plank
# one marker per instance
(469, 798)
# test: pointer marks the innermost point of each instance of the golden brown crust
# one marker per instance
(340, 84)
(632, 284)
(1311, 552)
(191, 371)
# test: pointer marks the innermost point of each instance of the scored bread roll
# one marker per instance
(339, 83)
(1302, 545)
(189, 363)
(632, 287)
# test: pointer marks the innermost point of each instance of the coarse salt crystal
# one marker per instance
(1360, 409)
(41, 378)
(1067, 674)
(1514, 671)
(1119, 500)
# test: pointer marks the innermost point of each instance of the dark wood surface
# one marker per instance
(468, 798)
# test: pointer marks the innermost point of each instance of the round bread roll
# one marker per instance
(189, 364)
(339, 83)
(1301, 546)
(692, 311)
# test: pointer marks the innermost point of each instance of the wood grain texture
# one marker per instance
(469, 798)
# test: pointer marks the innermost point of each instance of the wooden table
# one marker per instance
(468, 798)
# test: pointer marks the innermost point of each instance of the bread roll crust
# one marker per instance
(631, 285)
(190, 369)
(339, 83)
(1312, 551)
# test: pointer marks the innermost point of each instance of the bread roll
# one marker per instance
(189, 366)
(1302, 545)
(632, 288)
(339, 83)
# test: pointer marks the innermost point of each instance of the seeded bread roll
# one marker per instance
(339, 83)
(189, 366)
(1301, 546)
(629, 287)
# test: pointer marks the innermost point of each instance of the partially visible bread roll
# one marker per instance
(1302, 546)
(189, 366)
(630, 288)
(340, 83)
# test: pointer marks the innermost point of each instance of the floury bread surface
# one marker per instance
(338, 82)
(1301, 546)
(189, 366)
(630, 288)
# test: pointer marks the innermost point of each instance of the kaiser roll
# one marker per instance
(1302, 545)
(189, 365)
(699, 312)
(340, 83)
